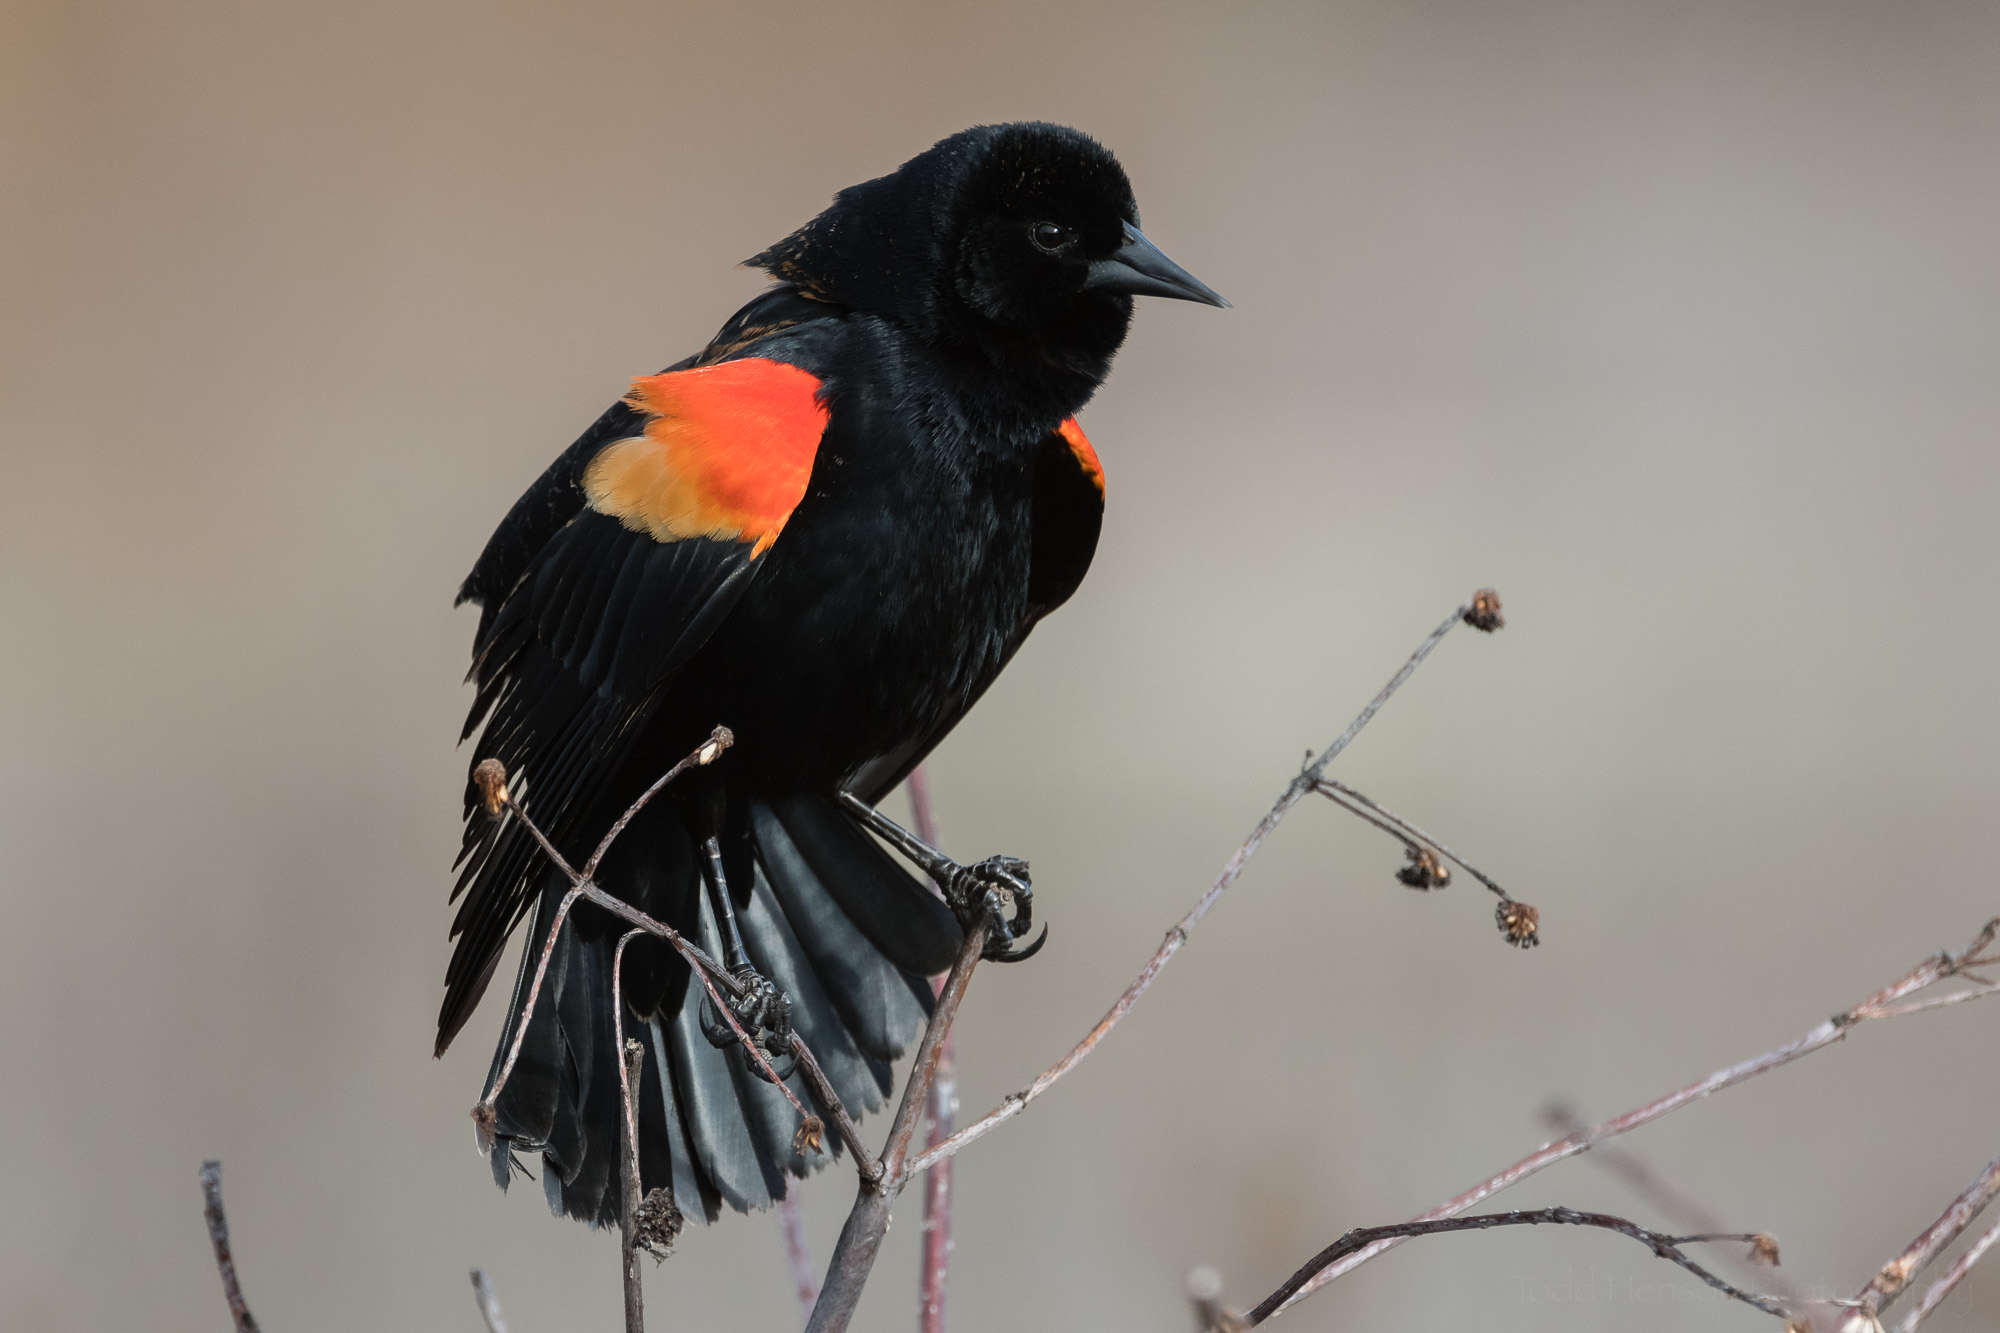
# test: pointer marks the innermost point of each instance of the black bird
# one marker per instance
(829, 531)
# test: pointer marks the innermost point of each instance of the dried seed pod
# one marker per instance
(721, 739)
(1425, 870)
(1764, 1249)
(485, 1124)
(1484, 613)
(1520, 923)
(490, 776)
(658, 1221)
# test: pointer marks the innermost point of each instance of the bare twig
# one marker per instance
(488, 1301)
(1882, 1004)
(1918, 1006)
(1296, 790)
(704, 754)
(810, 1126)
(1757, 1259)
(1894, 1279)
(940, 1113)
(632, 1232)
(1951, 1277)
(218, 1236)
(631, 1064)
(843, 1123)
(868, 1221)
(1667, 1247)
(492, 780)
(1204, 1289)
(1412, 837)
(483, 1114)
(798, 1251)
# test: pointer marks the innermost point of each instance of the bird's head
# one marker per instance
(1020, 242)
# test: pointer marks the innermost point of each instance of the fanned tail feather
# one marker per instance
(825, 914)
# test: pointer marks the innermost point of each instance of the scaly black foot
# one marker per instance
(974, 893)
(980, 891)
(765, 1013)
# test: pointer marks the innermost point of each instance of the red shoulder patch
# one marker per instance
(727, 452)
(1086, 457)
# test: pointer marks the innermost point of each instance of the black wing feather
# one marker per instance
(582, 622)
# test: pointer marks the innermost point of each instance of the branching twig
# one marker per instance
(703, 755)
(1894, 1279)
(1883, 1004)
(811, 1129)
(868, 1221)
(631, 1065)
(1756, 1259)
(491, 778)
(843, 1123)
(1411, 836)
(489, 1302)
(1951, 1277)
(1667, 1247)
(1294, 792)
(218, 1236)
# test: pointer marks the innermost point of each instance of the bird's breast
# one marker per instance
(893, 597)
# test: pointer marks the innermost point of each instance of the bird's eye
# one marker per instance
(1052, 236)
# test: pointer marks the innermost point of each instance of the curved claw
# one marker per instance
(781, 1065)
(1021, 955)
(718, 1032)
(765, 1014)
(977, 893)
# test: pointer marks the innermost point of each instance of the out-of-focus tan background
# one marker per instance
(1677, 323)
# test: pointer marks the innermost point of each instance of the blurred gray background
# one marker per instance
(1677, 323)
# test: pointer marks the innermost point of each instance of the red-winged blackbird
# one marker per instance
(828, 531)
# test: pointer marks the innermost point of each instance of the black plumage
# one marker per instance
(953, 317)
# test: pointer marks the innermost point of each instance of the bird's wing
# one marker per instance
(601, 583)
(1068, 511)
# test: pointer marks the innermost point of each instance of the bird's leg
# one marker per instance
(734, 956)
(764, 1011)
(965, 887)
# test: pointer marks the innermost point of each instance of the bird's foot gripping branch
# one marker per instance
(968, 890)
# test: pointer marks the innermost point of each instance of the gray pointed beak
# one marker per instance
(1139, 269)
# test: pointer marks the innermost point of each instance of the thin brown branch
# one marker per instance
(1413, 837)
(1757, 1258)
(1949, 1280)
(704, 754)
(1894, 1278)
(492, 779)
(843, 1123)
(798, 1251)
(1667, 1247)
(488, 1301)
(631, 1065)
(218, 1236)
(1296, 790)
(810, 1126)
(1919, 1006)
(868, 1221)
(1881, 1004)
(940, 1114)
